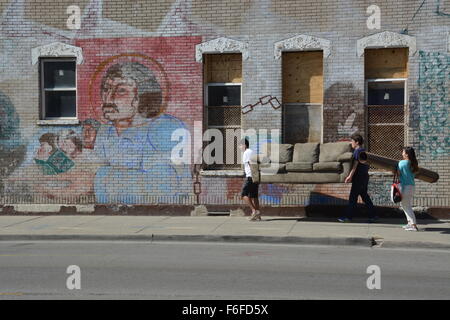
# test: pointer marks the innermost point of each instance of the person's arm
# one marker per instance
(352, 172)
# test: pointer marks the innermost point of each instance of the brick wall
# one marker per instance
(161, 36)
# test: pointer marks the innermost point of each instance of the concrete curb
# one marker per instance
(351, 241)
(413, 245)
(324, 241)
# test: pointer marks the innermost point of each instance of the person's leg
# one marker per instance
(352, 200)
(406, 204)
(250, 203)
(254, 195)
(256, 203)
(367, 201)
(245, 194)
(256, 215)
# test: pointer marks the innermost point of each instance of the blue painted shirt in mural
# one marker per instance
(139, 163)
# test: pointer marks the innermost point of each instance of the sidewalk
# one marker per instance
(386, 233)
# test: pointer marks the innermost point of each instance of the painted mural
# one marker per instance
(12, 148)
(136, 87)
(135, 142)
(129, 106)
(434, 100)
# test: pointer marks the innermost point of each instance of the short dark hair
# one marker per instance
(358, 138)
(245, 141)
(49, 138)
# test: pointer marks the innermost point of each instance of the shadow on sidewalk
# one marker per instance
(440, 230)
(363, 220)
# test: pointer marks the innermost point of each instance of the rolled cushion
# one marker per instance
(299, 167)
(329, 152)
(306, 152)
(327, 166)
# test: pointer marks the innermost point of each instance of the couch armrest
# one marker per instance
(255, 172)
(256, 158)
(347, 156)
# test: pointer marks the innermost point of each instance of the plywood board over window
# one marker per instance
(302, 77)
(223, 68)
(386, 63)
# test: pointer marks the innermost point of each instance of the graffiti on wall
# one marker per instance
(434, 102)
(343, 112)
(12, 149)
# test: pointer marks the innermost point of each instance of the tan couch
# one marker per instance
(303, 163)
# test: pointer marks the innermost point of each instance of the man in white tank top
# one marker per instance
(249, 189)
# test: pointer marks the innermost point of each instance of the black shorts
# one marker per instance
(249, 189)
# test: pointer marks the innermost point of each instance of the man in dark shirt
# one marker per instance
(359, 177)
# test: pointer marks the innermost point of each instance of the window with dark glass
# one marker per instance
(58, 88)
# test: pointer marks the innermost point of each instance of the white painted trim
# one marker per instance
(58, 50)
(302, 42)
(386, 39)
(221, 45)
(448, 42)
(58, 121)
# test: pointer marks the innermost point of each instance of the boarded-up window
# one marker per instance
(302, 74)
(386, 63)
(386, 71)
(223, 83)
(303, 77)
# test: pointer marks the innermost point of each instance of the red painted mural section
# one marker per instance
(171, 59)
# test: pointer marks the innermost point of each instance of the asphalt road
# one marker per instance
(189, 270)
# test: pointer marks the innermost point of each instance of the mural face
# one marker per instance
(132, 115)
(136, 142)
(90, 129)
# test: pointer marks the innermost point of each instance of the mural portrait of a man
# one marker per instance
(136, 142)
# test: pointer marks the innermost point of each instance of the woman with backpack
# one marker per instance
(406, 170)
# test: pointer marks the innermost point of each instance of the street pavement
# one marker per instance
(187, 270)
(386, 233)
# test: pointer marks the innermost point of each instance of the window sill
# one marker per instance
(222, 173)
(58, 122)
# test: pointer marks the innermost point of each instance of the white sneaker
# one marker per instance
(411, 228)
(255, 216)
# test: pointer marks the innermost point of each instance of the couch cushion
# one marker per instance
(327, 166)
(273, 168)
(283, 152)
(306, 152)
(299, 167)
(329, 152)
